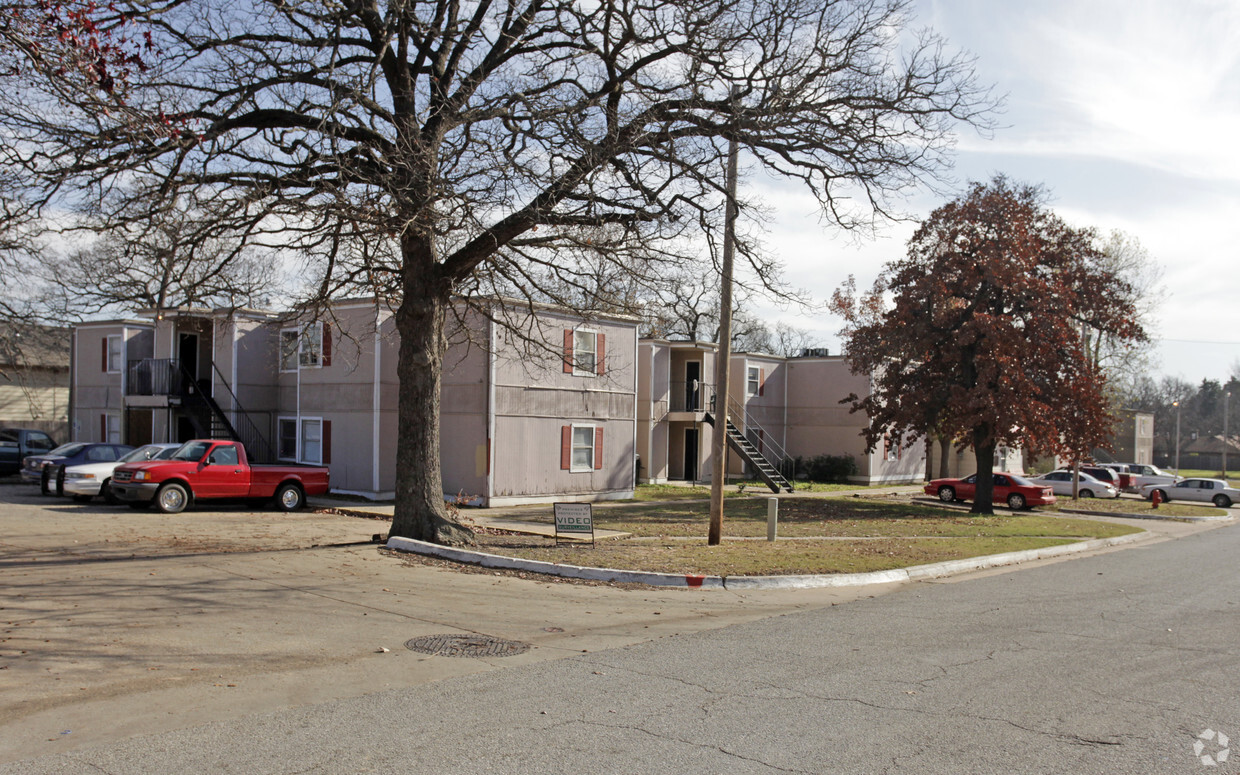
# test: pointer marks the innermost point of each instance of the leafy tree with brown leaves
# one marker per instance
(984, 340)
(490, 141)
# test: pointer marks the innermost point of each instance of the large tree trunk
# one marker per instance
(945, 448)
(984, 448)
(420, 510)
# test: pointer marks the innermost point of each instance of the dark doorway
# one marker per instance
(691, 454)
(138, 426)
(693, 386)
(185, 430)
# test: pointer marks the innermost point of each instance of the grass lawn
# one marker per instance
(1134, 506)
(672, 492)
(816, 536)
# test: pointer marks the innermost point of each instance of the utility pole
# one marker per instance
(1226, 401)
(723, 356)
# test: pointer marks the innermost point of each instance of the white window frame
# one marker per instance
(574, 466)
(593, 337)
(303, 440)
(116, 353)
(753, 380)
(112, 429)
(287, 353)
(280, 421)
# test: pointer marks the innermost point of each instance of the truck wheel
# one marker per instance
(172, 498)
(289, 497)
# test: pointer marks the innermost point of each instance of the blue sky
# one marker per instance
(1128, 113)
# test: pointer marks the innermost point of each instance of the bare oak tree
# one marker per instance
(484, 139)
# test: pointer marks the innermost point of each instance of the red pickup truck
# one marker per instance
(210, 469)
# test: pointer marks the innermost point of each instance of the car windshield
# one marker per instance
(147, 452)
(165, 454)
(67, 450)
(191, 450)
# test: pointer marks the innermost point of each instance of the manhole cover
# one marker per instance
(466, 646)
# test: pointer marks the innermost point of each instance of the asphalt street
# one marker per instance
(1114, 663)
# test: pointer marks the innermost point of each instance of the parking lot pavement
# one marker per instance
(116, 622)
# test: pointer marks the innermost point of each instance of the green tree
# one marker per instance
(983, 341)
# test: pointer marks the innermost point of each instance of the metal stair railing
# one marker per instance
(257, 448)
(766, 470)
(755, 433)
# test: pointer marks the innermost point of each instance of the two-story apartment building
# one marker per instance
(540, 409)
(784, 407)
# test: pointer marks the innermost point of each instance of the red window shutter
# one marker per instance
(327, 344)
(600, 347)
(566, 447)
(327, 439)
(598, 448)
(761, 382)
(104, 361)
(568, 351)
(103, 423)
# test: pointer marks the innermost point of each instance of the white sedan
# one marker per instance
(1214, 491)
(1089, 487)
(86, 481)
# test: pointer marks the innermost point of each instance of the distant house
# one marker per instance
(783, 407)
(1206, 453)
(541, 411)
(34, 379)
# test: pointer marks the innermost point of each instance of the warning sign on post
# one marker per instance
(573, 520)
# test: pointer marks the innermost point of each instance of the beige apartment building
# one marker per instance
(539, 409)
(784, 408)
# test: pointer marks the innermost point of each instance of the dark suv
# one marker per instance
(17, 443)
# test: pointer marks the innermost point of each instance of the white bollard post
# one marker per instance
(772, 517)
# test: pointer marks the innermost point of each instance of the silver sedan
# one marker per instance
(1214, 491)
(1089, 487)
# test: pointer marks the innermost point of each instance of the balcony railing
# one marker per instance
(691, 397)
(155, 377)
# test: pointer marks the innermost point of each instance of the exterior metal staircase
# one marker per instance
(213, 421)
(767, 470)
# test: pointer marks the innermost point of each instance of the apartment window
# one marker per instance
(312, 441)
(891, 451)
(581, 448)
(116, 354)
(287, 439)
(110, 427)
(311, 347)
(288, 349)
(755, 379)
(584, 352)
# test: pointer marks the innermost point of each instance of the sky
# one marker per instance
(1127, 112)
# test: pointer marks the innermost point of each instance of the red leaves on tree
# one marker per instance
(983, 343)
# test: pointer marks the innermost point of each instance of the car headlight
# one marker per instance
(140, 476)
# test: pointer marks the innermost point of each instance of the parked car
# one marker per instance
(1125, 477)
(1014, 490)
(1143, 474)
(214, 469)
(87, 480)
(1214, 491)
(18, 443)
(44, 469)
(1102, 474)
(1087, 487)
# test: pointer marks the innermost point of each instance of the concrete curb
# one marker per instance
(914, 573)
